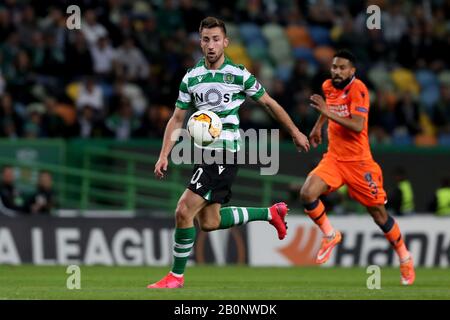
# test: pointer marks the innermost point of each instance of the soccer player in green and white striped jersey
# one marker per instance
(222, 91)
(218, 85)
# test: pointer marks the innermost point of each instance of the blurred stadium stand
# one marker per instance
(127, 58)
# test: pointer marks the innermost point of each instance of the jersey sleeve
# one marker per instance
(184, 97)
(252, 87)
(359, 101)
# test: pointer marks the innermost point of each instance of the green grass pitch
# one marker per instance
(213, 282)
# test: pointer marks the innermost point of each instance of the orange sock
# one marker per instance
(394, 236)
(318, 215)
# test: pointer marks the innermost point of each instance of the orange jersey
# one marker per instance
(345, 144)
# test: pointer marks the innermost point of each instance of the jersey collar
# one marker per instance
(348, 85)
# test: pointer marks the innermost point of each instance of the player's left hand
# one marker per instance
(319, 104)
(301, 142)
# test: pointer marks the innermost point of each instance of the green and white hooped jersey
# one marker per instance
(222, 91)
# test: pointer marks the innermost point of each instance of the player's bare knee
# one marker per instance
(208, 226)
(378, 214)
(307, 196)
(182, 214)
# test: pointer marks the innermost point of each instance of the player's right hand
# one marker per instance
(301, 142)
(161, 167)
(315, 137)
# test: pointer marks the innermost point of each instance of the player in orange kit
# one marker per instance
(348, 161)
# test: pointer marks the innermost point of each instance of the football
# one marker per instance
(204, 127)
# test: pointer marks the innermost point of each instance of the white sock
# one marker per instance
(176, 275)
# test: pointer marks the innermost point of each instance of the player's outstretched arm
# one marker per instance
(315, 136)
(355, 123)
(279, 114)
(175, 122)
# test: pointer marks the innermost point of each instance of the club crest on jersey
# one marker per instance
(368, 177)
(228, 78)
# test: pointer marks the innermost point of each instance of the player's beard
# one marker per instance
(213, 58)
(342, 84)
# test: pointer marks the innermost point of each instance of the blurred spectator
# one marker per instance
(132, 92)
(321, 13)
(28, 24)
(10, 196)
(103, 56)
(21, 78)
(132, 62)
(246, 119)
(395, 23)
(154, 122)
(92, 30)
(401, 197)
(441, 111)
(43, 201)
(54, 59)
(6, 24)
(169, 18)
(125, 29)
(90, 94)
(52, 121)
(279, 93)
(191, 16)
(407, 114)
(78, 51)
(304, 116)
(149, 39)
(33, 127)
(55, 21)
(87, 124)
(122, 123)
(2, 83)
(300, 77)
(10, 121)
(441, 201)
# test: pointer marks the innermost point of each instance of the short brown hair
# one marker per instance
(212, 22)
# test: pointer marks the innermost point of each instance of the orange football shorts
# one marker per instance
(363, 178)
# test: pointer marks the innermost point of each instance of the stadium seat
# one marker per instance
(444, 78)
(258, 52)
(266, 75)
(320, 35)
(426, 78)
(429, 85)
(305, 54)
(299, 37)
(283, 72)
(67, 113)
(429, 96)
(444, 139)
(273, 31)
(251, 33)
(324, 53)
(107, 90)
(233, 33)
(280, 51)
(72, 90)
(401, 137)
(426, 124)
(405, 80)
(424, 140)
(380, 77)
(239, 55)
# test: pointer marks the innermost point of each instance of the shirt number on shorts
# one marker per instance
(196, 175)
